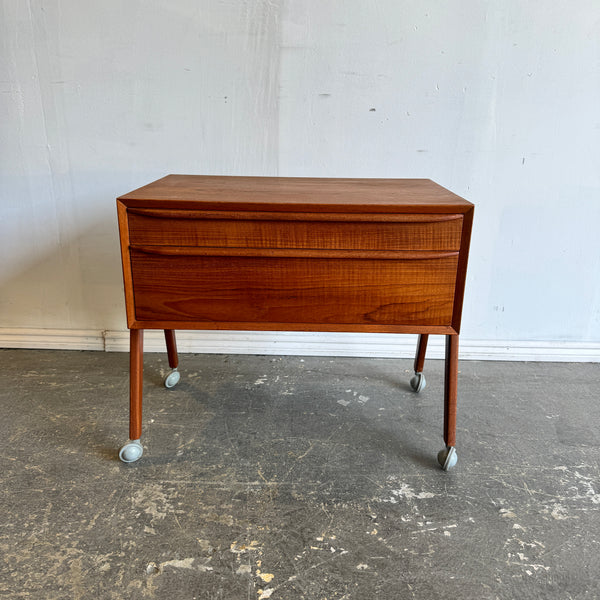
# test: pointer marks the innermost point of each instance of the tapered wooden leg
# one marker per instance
(420, 354)
(136, 373)
(417, 382)
(171, 348)
(450, 389)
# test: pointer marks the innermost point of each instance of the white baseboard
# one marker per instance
(374, 345)
(52, 339)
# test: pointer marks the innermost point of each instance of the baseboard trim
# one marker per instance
(52, 339)
(299, 344)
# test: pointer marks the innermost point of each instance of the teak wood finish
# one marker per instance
(295, 254)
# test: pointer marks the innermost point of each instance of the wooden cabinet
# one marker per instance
(295, 254)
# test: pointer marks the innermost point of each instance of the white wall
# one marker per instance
(498, 101)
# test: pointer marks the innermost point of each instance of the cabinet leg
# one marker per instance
(136, 378)
(171, 348)
(448, 457)
(417, 383)
(420, 354)
(172, 378)
(450, 389)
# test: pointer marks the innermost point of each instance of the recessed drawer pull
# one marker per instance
(292, 253)
(199, 215)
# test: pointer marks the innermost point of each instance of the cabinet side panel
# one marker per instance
(461, 273)
(126, 262)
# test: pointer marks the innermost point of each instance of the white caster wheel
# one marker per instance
(131, 451)
(172, 379)
(417, 382)
(447, 458)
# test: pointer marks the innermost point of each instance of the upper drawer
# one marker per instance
(294, 230)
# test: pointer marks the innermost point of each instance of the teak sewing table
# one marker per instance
(294, 254)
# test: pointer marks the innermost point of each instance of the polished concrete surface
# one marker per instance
(297, 478)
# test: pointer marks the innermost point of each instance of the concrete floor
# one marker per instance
(297, 478)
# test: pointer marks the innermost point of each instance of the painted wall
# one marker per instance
(497, 101)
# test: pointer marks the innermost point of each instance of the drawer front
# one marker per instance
(185, 228)
(261, 289)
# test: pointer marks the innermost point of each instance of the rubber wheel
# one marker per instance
(172, 379)
(131, 451)
(417, 382)
(447, 458)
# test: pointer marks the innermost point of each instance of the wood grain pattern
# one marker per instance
(227, 233)
(294, 252)
(302, 194)
(268, 289)
(285, 218)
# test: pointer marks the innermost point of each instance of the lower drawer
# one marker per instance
(293, 290)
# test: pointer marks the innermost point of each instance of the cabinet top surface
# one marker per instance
(296, 194)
